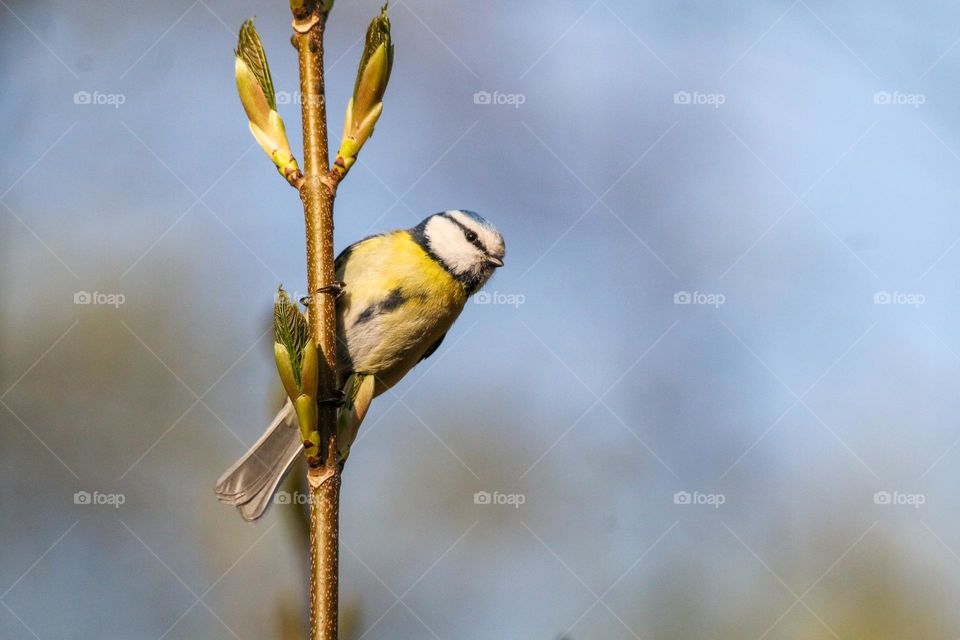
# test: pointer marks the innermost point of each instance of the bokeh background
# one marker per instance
(719, 370)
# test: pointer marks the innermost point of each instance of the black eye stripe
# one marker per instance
(467, 232)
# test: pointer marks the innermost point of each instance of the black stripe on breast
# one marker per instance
(394, 300)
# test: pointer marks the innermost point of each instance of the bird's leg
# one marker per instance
(335, 289)
(336, 400)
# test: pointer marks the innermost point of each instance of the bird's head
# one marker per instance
(468, 246)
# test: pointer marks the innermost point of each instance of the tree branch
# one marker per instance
(317, 191)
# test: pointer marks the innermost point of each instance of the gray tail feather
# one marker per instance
(250, 483)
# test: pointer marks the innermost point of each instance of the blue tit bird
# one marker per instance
(401, 293)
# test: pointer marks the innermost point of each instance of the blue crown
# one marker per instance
(476, 217)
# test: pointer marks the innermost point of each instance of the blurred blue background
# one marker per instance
(719, 370)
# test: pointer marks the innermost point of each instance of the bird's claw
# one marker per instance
(335, 289)
(336, 400)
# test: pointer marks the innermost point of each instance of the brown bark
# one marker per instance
(317, 191)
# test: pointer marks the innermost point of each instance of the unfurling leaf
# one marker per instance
(292, 333)
(259, 100)
(377, 40)
(250, 51)
(365, 107)
(307, 416)
(285, 369)
(309, 369)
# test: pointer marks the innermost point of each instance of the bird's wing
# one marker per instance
(431, 349)
(341, 260)
(358, 293)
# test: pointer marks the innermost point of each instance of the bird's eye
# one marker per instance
(470, 235)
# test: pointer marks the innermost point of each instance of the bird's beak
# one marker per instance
(497, 262)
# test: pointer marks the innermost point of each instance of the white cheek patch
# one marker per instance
(447, 241)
